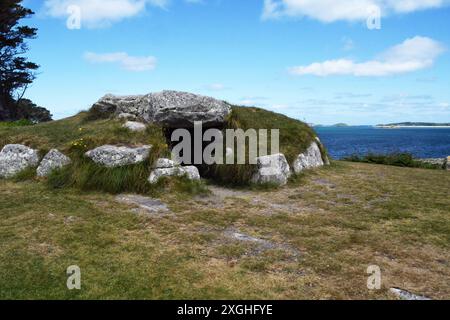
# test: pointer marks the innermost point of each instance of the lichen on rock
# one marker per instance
(15, 158)
(114, 156)
(52, 161)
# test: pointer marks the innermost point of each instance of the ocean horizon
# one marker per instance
(421, 142)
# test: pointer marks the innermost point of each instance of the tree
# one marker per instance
(26, 109)
(16, 72)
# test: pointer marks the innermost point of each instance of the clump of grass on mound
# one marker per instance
(24, 175)
(394, 159)
(18, 123)
(295, 138)
(86, 175)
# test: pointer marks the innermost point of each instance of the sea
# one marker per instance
(428, 142)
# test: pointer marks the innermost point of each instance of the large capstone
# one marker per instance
(172, 109)
(113, 156)
(310, 159)
(52, 161)
(272, 169)
(15, 158)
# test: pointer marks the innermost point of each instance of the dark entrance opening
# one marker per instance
(204, 169)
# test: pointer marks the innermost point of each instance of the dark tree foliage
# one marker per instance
(26, 109)
(16, 72)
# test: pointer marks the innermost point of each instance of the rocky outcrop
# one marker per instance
(448, 163)
(52, 161)
(172, 109)
(113, 156)
(15, 158)
(135, 126)
(168, 168)
(272, 169)
(312, 158)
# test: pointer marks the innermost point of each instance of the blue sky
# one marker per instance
(312, 60)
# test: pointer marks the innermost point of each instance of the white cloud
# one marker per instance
(127, 62)
(413, 54)
(349, 10)
(100, 13)
(216, 87)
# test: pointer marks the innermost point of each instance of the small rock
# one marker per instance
(147, 204)
(53, 160)
(272, 169)
(113, 156)
(405, 295)
(69, 220)
(164, 163)
(191, 173)
(135, 126)
(15, 158)
(157, 174)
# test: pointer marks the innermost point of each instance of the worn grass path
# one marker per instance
(311, 240)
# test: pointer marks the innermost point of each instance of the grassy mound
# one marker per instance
(295, 138)
(75, 135)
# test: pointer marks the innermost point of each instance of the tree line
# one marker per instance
(16, 71)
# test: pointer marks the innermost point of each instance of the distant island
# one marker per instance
(340, 125)
(414, 124)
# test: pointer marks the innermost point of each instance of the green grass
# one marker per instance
(394, 159)
(339, 219)
(62, 134)
(18, 123)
